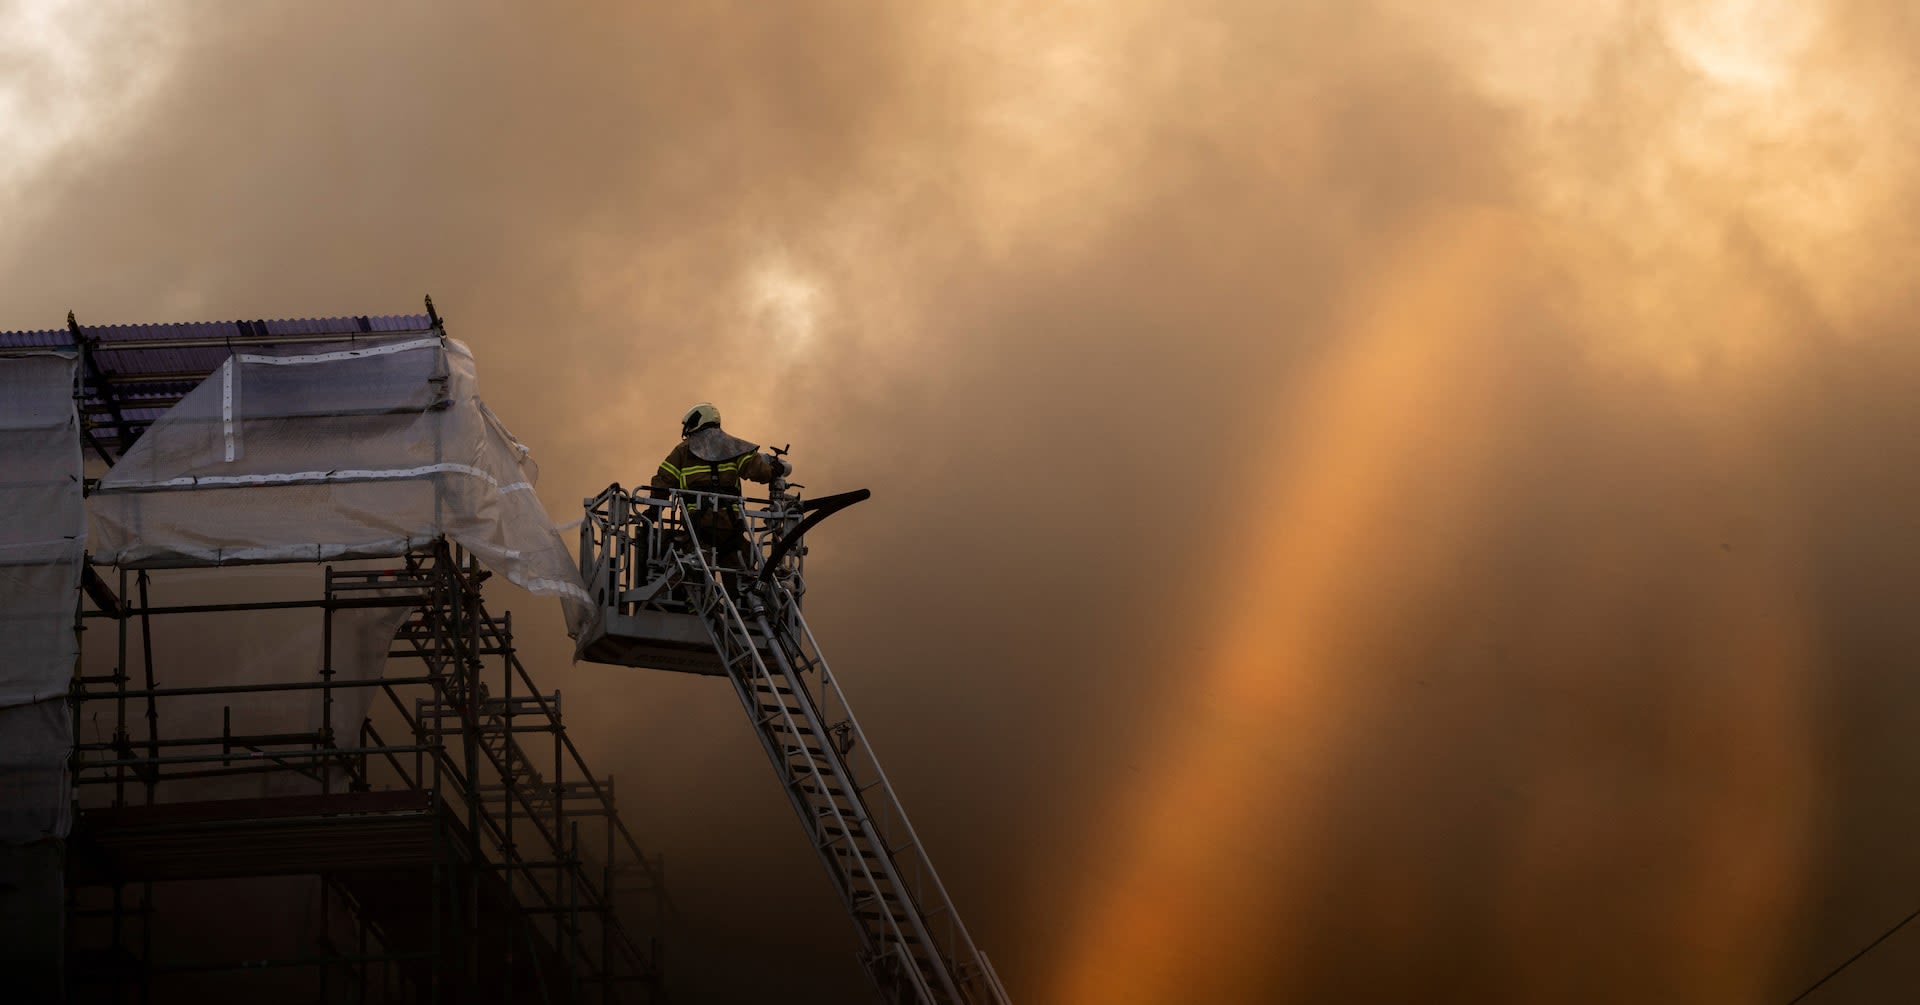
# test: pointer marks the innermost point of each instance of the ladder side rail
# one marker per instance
(905, 892)
(906, 962)
(737, 647)
(738, 634)
(731, 622)
(797, 762)
(830, 686)
(799, 651)
(913, 890)
(993, 979)
(750, 702)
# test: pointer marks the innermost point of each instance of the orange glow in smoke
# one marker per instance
(1391, 445)
(1166, 908)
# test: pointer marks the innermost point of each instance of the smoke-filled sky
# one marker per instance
(1374, 501)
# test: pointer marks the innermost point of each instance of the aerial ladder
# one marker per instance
(669, 601)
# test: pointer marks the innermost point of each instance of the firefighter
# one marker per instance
(710, 460)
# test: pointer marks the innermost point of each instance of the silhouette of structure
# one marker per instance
(327, 774)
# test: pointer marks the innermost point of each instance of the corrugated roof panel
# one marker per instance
(157, 332)
(161, 360)
(348, 326)
(46, 338)
(401, 322)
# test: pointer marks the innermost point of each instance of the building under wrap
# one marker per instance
(246, 671)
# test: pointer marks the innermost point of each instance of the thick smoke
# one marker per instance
(1369, 504)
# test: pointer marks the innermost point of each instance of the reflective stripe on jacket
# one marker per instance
(683, 470)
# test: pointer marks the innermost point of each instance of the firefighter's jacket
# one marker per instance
(712, 461)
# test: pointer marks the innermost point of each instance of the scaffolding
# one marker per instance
(455, 851)
(416, 794)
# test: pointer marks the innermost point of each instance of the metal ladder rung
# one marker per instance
(818, 755)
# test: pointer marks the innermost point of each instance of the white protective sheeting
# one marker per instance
(325, 452)
(42, 544)
(35, 742)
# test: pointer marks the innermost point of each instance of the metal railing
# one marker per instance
(628, 542)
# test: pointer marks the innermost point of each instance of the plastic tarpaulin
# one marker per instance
(334, 451)
(42, 545)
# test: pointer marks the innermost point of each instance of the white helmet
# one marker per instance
(699, 417)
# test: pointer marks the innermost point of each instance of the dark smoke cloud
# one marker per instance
(1609, 704)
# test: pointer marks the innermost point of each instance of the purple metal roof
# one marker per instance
(48, 339)
(142, 369)
(240, 331)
